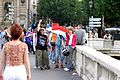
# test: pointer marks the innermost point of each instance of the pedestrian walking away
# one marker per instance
(15, 63)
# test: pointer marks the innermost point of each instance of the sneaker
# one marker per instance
(66, 69)
(35, 67)
(74, 74)
(41, 68)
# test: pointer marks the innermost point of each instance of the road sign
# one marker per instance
(94, 25)
(95, 19)
(94, 22)
(90, 23)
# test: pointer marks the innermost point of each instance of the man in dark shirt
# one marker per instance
(42, 60)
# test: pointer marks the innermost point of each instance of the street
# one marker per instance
(52, 74)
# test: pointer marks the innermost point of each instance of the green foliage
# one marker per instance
(74, 11)
(110, 9)
(62, 11)
(84, 12)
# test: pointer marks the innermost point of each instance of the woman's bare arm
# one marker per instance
(2, 63)
(27, 62)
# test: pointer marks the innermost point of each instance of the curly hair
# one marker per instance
(16, 31)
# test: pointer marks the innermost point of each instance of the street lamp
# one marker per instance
(90, 5)
(90, 13)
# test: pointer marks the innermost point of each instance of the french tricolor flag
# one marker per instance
(57, 29)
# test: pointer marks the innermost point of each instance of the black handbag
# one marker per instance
(66, 51)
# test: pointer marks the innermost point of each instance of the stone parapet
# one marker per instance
(93, 65)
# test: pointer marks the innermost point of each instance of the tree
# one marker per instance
(61, 11)
(110, 9)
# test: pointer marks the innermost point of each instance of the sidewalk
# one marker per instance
(52, 74)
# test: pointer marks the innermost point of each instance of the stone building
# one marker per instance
(16, 12)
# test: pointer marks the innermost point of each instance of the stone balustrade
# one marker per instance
(93, 65)
(99, 43)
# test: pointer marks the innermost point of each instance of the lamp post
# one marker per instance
(90, 12)
(90, 6)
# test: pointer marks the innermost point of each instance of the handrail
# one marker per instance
(106, 61)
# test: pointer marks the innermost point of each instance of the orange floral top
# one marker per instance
(15, 54)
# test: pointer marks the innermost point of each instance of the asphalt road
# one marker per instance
(52, 74)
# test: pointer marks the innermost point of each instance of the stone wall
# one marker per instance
(93, 65)
(99, 43)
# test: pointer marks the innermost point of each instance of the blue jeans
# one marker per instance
(58, 53)
(69, 64)
(52, 55)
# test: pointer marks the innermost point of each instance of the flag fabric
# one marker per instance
(55, 26)
(59, 29)
(63, 29)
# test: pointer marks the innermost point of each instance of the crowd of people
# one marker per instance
(48, 47)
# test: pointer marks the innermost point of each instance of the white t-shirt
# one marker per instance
(70, 41)
(34, 39)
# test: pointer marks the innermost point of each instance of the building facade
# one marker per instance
(17, 11)
(33, 10)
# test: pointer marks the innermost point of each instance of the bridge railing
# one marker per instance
(93, 65)
(103, 43)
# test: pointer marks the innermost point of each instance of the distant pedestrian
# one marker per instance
(28, 39)
(34, 41)
(15, 63)
(90, 34)
(59, 58)
(2, 35)
(108, 36)
(53, 46)
(42, 60)
(95, 33)
(7, 34)
(81, 35)
(71, 44)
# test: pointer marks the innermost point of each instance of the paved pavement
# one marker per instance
(52, 74)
